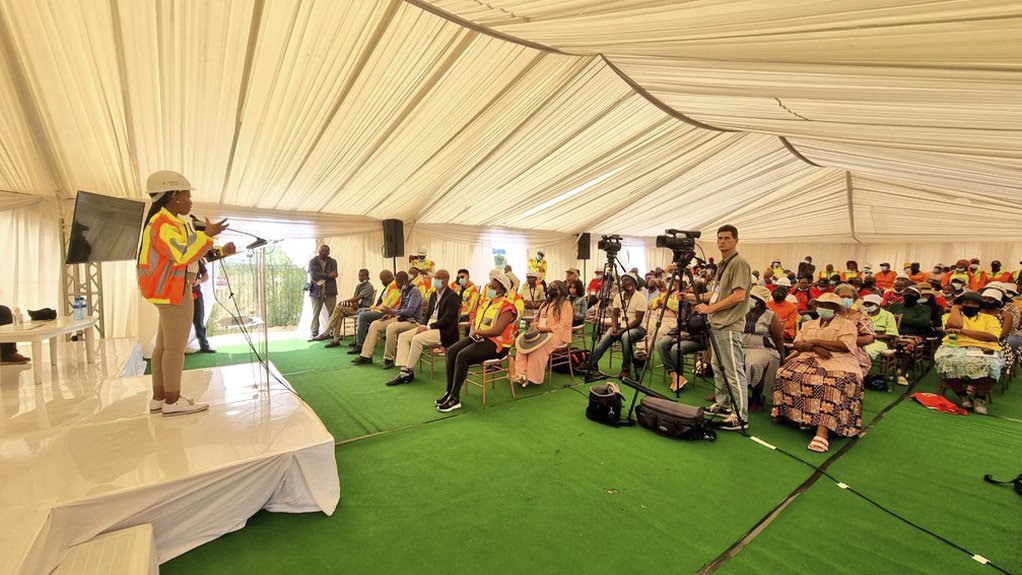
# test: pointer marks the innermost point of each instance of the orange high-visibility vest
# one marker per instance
(168, 246)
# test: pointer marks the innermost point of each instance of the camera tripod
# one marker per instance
(610, 280)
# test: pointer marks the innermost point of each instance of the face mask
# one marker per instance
(462, 280)
(847, 301)
(491, 293)
(937, 271)
(957, 285)
(989, 305)
(995, 268)
(437, 284)
(885, 269)
(960, 270)
(974, 267)
(552, 294)
(872, 309)
(970, 311)
(778, 299)
(898, 289)
(825, 313)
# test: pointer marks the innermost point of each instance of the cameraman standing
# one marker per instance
(725, 305)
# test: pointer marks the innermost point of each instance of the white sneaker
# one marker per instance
(183, 406)
(155, 405)
(902, 380)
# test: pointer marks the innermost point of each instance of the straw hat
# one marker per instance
(531, 340)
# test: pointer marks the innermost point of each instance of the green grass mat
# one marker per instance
(829, 530)
(1006, 403)
(528, 486)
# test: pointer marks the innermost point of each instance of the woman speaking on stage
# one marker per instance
(167, 266)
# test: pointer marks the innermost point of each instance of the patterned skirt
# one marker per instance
(809, 395)
(957, 363)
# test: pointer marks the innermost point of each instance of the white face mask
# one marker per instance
(825, 313)
(491, 293)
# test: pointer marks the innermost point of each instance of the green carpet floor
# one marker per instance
(531, 485)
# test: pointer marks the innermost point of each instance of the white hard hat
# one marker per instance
(165, 181)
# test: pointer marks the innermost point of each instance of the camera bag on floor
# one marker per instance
(672, 419)
(606, 404)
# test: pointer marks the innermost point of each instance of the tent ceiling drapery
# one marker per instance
(514, 113)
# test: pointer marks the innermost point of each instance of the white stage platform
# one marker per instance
(81, 456)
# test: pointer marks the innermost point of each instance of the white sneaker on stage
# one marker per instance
(183, 406)
(155, 405)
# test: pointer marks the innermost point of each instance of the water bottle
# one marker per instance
(78, 308)
(952, 339)
(19, 319)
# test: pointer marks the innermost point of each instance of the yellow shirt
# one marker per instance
(982, 322)
(539, 267)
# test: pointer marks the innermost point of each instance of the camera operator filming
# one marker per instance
(725, 305)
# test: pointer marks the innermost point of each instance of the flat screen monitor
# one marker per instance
(104, 229)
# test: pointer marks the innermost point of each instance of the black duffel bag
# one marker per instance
(606, 404)
(672, 419)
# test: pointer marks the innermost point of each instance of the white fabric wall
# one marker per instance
(32, 268)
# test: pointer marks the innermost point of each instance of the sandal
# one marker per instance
(819, 444)
(678, 382)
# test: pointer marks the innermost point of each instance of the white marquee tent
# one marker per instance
(868, 129)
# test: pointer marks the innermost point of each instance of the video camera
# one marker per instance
(610, 244)
(672, 242)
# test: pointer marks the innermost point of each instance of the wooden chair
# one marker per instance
(562, 355)
(490, 372)
(431, 356)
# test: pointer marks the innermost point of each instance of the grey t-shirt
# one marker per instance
(732, 273)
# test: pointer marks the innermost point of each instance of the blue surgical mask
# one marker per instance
(462, 280)
(491, 293)
(437, 284)
(825, 313)
(847, 301)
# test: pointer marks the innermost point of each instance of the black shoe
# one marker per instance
(388, 364)
(442, 400)
(333, 343)
(450, 405)
(355, 350)
(313, 338)
(206, 350)
(403, 377)
(361, 360)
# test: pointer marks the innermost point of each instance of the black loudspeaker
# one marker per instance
(582, 251)
(393, 238)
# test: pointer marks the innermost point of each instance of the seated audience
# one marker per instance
(959, 272)
(853, 313)
(806, 268)
(895, 294)
(977, 277)
(570, 275)
(553, 316)
(360, 300)
(389, 297)
(626, 326)
(532, 293)
(802, 293)
(916, 318)
(885, 325)
(851, 272)
(579, 303)
(494, 326)
(997, 274)
(914, 274)
(786, 312)
(672, 344)
(969, 359)
(763, 343)
(884, 279)
(993, 305)
(820, 384)
(828, 272)
(776, 268)
(393, 323)
(822, 286)
(468, 292)
(437, 326)
(869, 287)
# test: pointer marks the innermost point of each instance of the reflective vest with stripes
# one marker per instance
(486, 318)
(391, 297)
(168, 246)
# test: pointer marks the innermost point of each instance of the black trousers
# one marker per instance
(463, 354)
(199, 321)
(7, 317)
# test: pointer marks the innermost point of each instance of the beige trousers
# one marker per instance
(340, 312)
(533, 364)
(171, 338)
(411, 344)
(391, 328)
